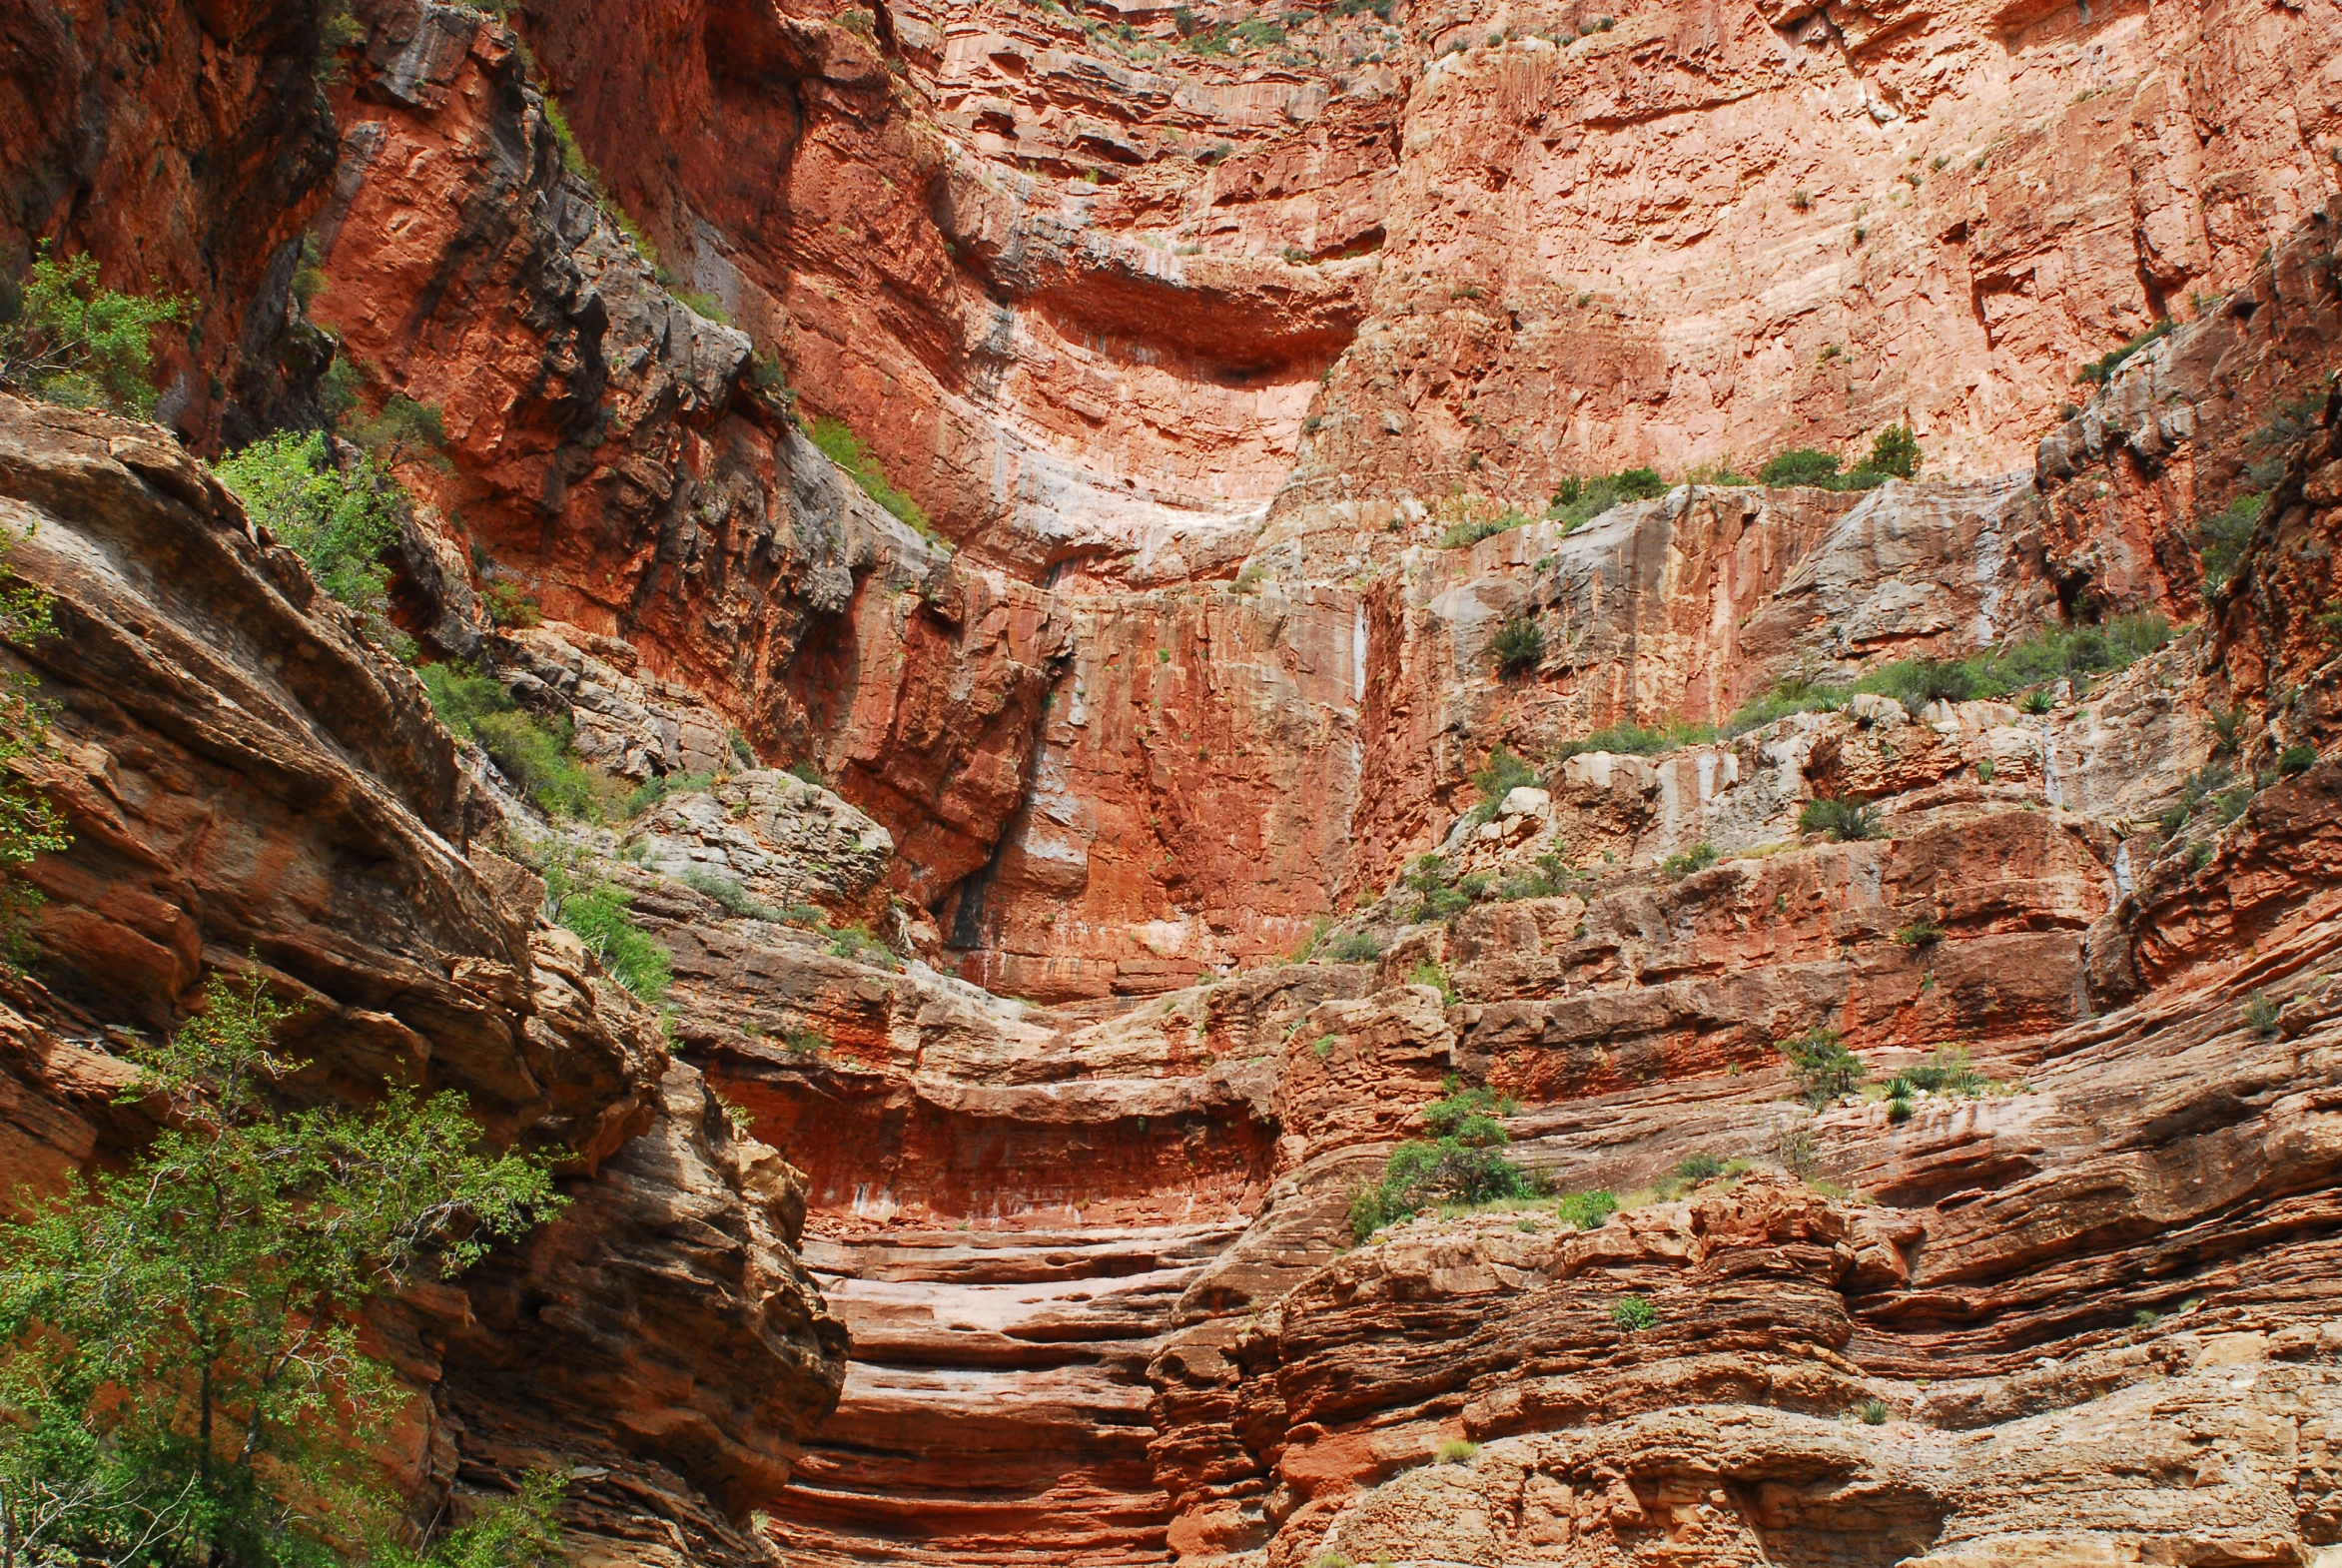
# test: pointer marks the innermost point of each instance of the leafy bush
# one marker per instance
(1799, 466)
(1793, 694)
(1354, 947)
(860, 944)
(1947, 1070)
(842, 446)
(1629, 738)
(2221, 537)
(1822, 1065)
(1841, 820)
(64, 339)
(1899, 1107)
(29, 825)
(1462, 1163)
(534, 753)
(1633, 1314)
(1893, 450)
(1917, 682)
(1428, 878)
(1578, 500)
(2296, 759)
(2101, 369)
(1551, 876)
(597, 914)
(403, 430)
(1457, 1450)
(1586, 1211)
(508, 605)
(1698, 858)
(654, 790)
(731, 896)
(1496, 778)
(1699, 1168)
(2259, 1014)
(1518, 646)
(337, 516)
(1919, 934)
(1469, 531)
(182, 1369)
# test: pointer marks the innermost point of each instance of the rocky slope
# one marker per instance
(1194, 332)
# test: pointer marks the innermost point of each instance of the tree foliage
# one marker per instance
(1463, 1161)
(181, 1375)
(332, 507)
(64, 339)
(29, 825)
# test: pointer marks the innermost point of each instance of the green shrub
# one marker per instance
(1633, 1314)
(1429, 878)
(1799, 466)
(842, 446)
(1463, 1163)
(1948, 1069)
(1321, 1047)
(1917, 682)
(1496, 778)
(338, 518)
(804, 1041)
(2101, 369)
(1428, 972)
(2296, 759)
(1699, 1168)
(2259, 1014)
(652, 791)
(1874, 1412)
(1899, 1107)
(2038, 702)
(1639, 484)
(1841, 820)
(731, 896)
(1578, 500)
(2220, 539)
(1354, 947)
(1793, 694)
(1919, 934)
(1586, 1211)
(1518, 646)
(401, 431)
(1822, 1065)
(1698, 858)
(64, 339)
(1551, 876)
(29, 825)
(534, 753)
(1896, 452)
(1629, 738)
(860, 944)
(2144, 1317)
(507, 605)
(1457, 1450)
(218, 1288)
(1471, 530)
(597, 914)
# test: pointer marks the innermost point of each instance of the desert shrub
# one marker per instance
(29, 825)
(1457, 1450)
(1822, 1065)
(2101, 369)
(1548, 877)
(597, 912)
(182, 1369)
(1518, 646)
(64, 339)
(1633, 1314)
(1895, 450)
(1919, 934)
(1641, 740)
(842, 446)
(1698, 1168)
(1698, 858)
(1917, 682)
(1496, 778)
(859, 943)
(2259, 1013)
(1470, 530)
(1354, 947)
(1586, 1211)
(654, 790)
(1428, 972)
(2296, 759)
(338, 514)
(534, 753)
(1948, 1069)
(1793, 694)
(508, 605)
(2220, 539)
(401, 431)
(730, 896)
(1577, 501)
(1841, 820)
(1799, 466)
(1639, 484)
(1462, 1163)
(1874, 1412)
(804, 1041)
(2038, 702)
(1321, 1047)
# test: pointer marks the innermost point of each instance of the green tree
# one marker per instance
(1462, 1163)
(337, 516)
(181, 1379)
(64, 339)
(1893, 450)
(1820, 1063)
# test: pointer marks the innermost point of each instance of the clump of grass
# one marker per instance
(1924, 933)
(1822, 1065)
(2259, 1013)
(1496, 778)
(1840, 820)
(1874, 1412)
(731, 896)
(1321, 1047)
(1586, 1211)
(842, 446)
(1457, 1450)
(534, 753)
(1696, 858)
(654, 790)
(597, 913)
(1629, 738)
(1579, 499)
(1702, 1167)
(1517, 647)
(1633, 1314)
(1469, 531)
(1429, 973)
(1794, 694)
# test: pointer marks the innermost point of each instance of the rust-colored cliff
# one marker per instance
(1039, 838)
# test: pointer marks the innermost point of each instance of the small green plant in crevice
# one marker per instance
(532, 752)
(65, 339)
(1821, 1064)
(2101, 369)
(1462, 1162)
(1696, 858)
(2259, 1013)
(1794, 1148)
(1517, 647)
(510, 606)
(2220, 537)
(2227, 725)
(1579, 499)
(1586, 1211)
(2145, 1317)
(1899, 1107)
(2037, 703)
(1874, 1412)
(739, 1117)
(400, 431)
(838, 443)
(1839, 820)
(731, 896)
(1321, 1047)
(1633, 1314)
(332, 506)
(2199, 787)
(804, 1041)
(1629, 738)
(597, 914)
(1496, 778)
(2296, 760)
(1458, 1450)
(1429, 973)
(1442, 896)
(1922, 933)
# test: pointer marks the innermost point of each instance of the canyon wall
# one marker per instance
(1034, 857)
